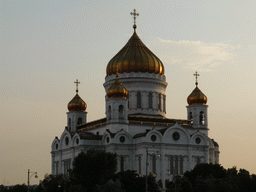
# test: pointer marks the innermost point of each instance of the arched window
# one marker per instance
(69, 123)
(176, 165)
(121, 112)
(122, 164)
(139, 164)
(181, 165)
(159, 101)
(128, 103)
(138, 100)
(171, 165)
(201, 118)
(198, 160)
(109, 112)
(56, 167)
(164, 104)
(79, 121)
(191, 117)
(150, 100)
(154, 164)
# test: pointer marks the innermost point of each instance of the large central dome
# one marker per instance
(135, 57)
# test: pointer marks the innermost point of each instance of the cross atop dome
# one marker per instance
(134, 14)
(77, 103)
(135, 57)
(77, 82)
(196, 75)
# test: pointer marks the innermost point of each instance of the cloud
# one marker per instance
(196, 55)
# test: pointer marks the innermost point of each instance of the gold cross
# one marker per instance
(77, 82)
(197, 75)
(134, 15)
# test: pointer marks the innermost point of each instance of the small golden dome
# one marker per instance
(135, 57)
(77, 103)
(197, 97)
(117, 90)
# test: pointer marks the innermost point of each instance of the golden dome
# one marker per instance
(117, 90)
(77, 103)
(197, 97)
(135, 57)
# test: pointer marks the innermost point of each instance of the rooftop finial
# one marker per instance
(134, 14)
(77, 82)
(197, 75)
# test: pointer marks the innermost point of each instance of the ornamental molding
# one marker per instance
(136, 75)
(138, 80)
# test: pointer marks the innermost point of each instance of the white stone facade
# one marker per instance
(132, 131)
(136, 128)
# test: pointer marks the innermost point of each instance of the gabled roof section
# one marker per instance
(112, 135)
(92, 124)
(141, 134)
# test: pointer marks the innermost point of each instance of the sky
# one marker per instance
(47, 45)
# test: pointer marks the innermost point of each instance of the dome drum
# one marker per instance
(152, 85)
(136, 75)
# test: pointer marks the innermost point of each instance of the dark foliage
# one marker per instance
(110, 186)
(131, 182)
(93, 168)
(205, 170)
(181, 184)
(55, 183)
(15, 188)
(76, 188)
(213, 178)
(128, 180)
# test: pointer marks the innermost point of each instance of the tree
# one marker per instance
(55, 183)
(245, 181)
(182, 185)
(18, 188)
(110, 186)
(127, 179)
(93, 168)
(76, 188)
(160, 183)
(131, 181)
(152, 183)
(205, 170)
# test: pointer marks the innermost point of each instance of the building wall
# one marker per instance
(185, 149)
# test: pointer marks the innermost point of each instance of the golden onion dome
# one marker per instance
(135, 57)
(77, 103)
(117, 90)
(197, 97)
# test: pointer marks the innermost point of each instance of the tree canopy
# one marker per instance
(213, 178)
(95, 171)
(93, 168)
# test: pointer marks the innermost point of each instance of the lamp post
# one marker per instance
(29, 176)
(147, 168)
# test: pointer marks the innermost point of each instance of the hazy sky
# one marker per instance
(47, 45)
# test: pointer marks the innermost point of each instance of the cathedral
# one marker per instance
(135, 126)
